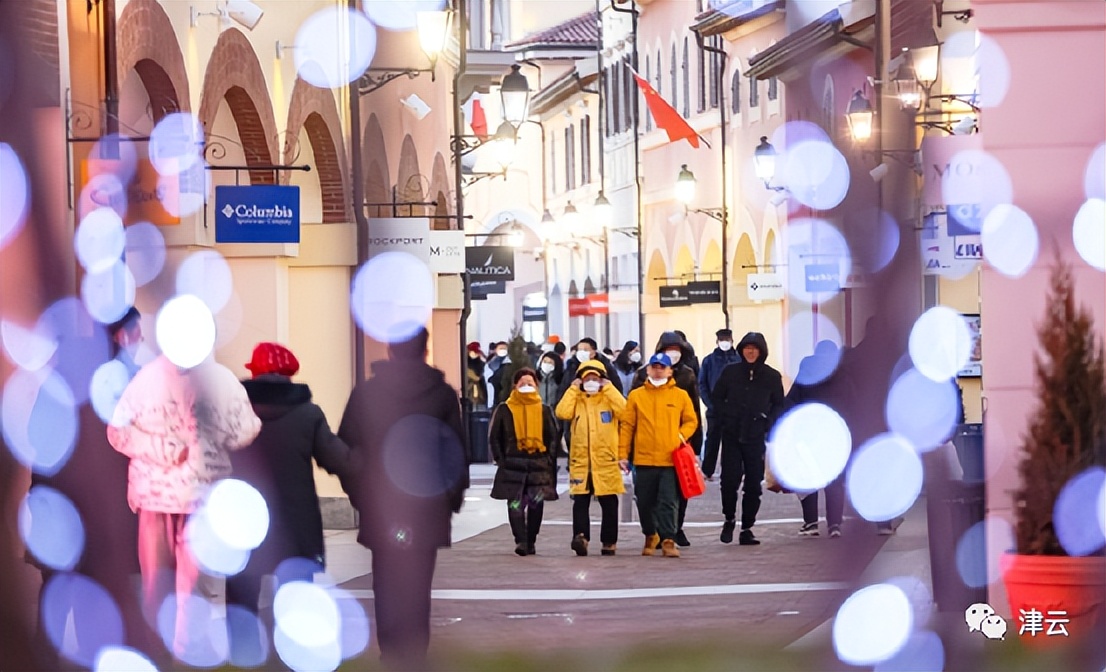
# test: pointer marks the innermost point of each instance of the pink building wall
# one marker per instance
(1044, 131)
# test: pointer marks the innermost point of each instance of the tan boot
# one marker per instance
(608, 550)
(668, 547)
(650, 544)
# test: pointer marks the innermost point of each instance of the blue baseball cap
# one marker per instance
(660, 358)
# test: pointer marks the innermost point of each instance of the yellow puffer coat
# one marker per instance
(594, 448)
(654, 420)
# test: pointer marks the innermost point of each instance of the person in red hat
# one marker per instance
(294, 431)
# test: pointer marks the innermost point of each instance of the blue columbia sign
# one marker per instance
(257, 214)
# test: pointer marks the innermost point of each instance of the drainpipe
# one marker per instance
(461, 22)
(111, 70)
(719, 81)
(633, 12)
(602, 127)
(361, 222)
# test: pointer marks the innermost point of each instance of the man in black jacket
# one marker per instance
(403, 427)
(748, 397)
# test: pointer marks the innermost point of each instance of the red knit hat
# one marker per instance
(273, 358)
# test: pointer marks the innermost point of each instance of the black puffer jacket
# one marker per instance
(518, 469)
(749, 397)
(278, 463)
(685, 377)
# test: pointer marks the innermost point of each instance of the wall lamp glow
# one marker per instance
(243, 12)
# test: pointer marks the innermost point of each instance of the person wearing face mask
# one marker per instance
(593, 406)
(476, 389)
(690, 359)
(587, 350)
(713, 365)
(551, 372)
(498, 367)
(679, 353)
(658, 415)
(627, 363)
(748, 397)
(522, 439)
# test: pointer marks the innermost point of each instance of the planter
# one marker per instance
(1075, 587)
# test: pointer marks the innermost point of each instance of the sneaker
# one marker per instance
(727, 531)
(580, 545)
(681, 539)
(746, 538)
(668, 548)
(651, 543)
(531, 550)
(810, 530)
(608, 550)
(835, 531)
(710, 478)
(520, 549)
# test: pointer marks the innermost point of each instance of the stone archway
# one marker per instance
(374, 158)
(439, 193)
(409, 181)
(147, 44)
(313, 110)
(234, 74)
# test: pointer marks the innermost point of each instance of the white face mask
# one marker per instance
(657, 382)
(583, 355)
(527, 389)
(635, 357)
(592, 386)
(547, 367)
(500, 353)
(674, 355)
(725, 346)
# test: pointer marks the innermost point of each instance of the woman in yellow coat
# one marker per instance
(593, 405)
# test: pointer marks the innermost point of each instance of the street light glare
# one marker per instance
(685, 186)
(515, 96)
(433, 29)
(860, 117)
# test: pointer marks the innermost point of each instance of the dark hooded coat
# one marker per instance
(749, 397)
(278, 463)
(570, 374)
(403, 427)
(520, 471)
(685, 378)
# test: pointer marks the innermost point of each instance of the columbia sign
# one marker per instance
(490, 263)
(257, 214)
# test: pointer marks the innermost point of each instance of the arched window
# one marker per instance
(715, 72)
(615, 102)
(754, 93)
(585, 149)
(702, 106)
(629, 93)
(735, 92)
(687, 81)
(648, 78)
(660, 68)
(773, 88)
(674, 71)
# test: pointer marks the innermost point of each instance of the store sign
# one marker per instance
(482, 289)
(965, 220)
(257, 214)
(490, 262)
(942, 254)
(400, 234)
(707, 291)
(592, 304)
(765, 287)
(948, 157)
(447, 251)
(535, 313)
(857, 277)
(822, 278)
(148, 197)
(672, 296)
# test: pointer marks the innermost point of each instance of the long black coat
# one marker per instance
(749, 397)
(404, 430)
(519, 469)
(278, 463)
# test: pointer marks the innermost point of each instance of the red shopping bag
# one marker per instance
(688, 472)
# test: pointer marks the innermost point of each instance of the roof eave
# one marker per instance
(809, 42)
(715, 22)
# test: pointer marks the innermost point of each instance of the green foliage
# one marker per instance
(1067, 429)
(516, 352)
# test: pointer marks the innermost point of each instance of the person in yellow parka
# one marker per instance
(593, 405)
(658, 416)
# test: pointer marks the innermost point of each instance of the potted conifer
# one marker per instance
(1066, 437)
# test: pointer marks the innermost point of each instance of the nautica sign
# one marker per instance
(257, 214)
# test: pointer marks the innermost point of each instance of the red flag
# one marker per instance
(666, 116)
(476, 118)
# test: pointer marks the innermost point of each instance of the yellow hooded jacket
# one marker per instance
(594, 448)
(653, 422)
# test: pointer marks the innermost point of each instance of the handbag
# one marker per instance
(688, 473)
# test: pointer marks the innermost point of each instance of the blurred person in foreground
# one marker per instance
(178, 426)
(403, 428)
(658, 417)
(278, 463)
(593, 406)
(523, 439)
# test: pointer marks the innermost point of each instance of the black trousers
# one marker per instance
(401, 599)
(525, 517)
(741, 461)
(581, 517)
(657, 500)
(835, 503)
(712, 445)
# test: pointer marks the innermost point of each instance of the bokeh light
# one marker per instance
(816, 174)
(875, 239)
(106, 388)
(1079, 533)
(1094, 177)
(176, 143)
(303, 658)
(873, 625)
(114, 154)
(810, 447)
(1102, 508)
(922, 411)
(185, 331)
(884, 478)
(805, 331)
(940, 343)
(228, 321)
(144, 252)
(186, 193)
(1009, 240)
(327, 62)
(110, 293)
(355, 635)
(79, 617)
(393, 296)
(122, 659)
(200, 640)
(817, 259)
(51, 528)
(83, 345)
(792, 134)
(103, 191)
(249, 638)
(978, 188)
(400, 15)
(14, 196)
(29, 349)
(1089, 232)
(210, 550)
(923, 652)
(206, 275)
(238, 514)
(308, 627)
(980, 550)
(417, 451)
(39, 420)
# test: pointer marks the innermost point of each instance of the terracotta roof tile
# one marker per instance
(582, 30)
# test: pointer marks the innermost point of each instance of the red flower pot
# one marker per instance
(1050, 595)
